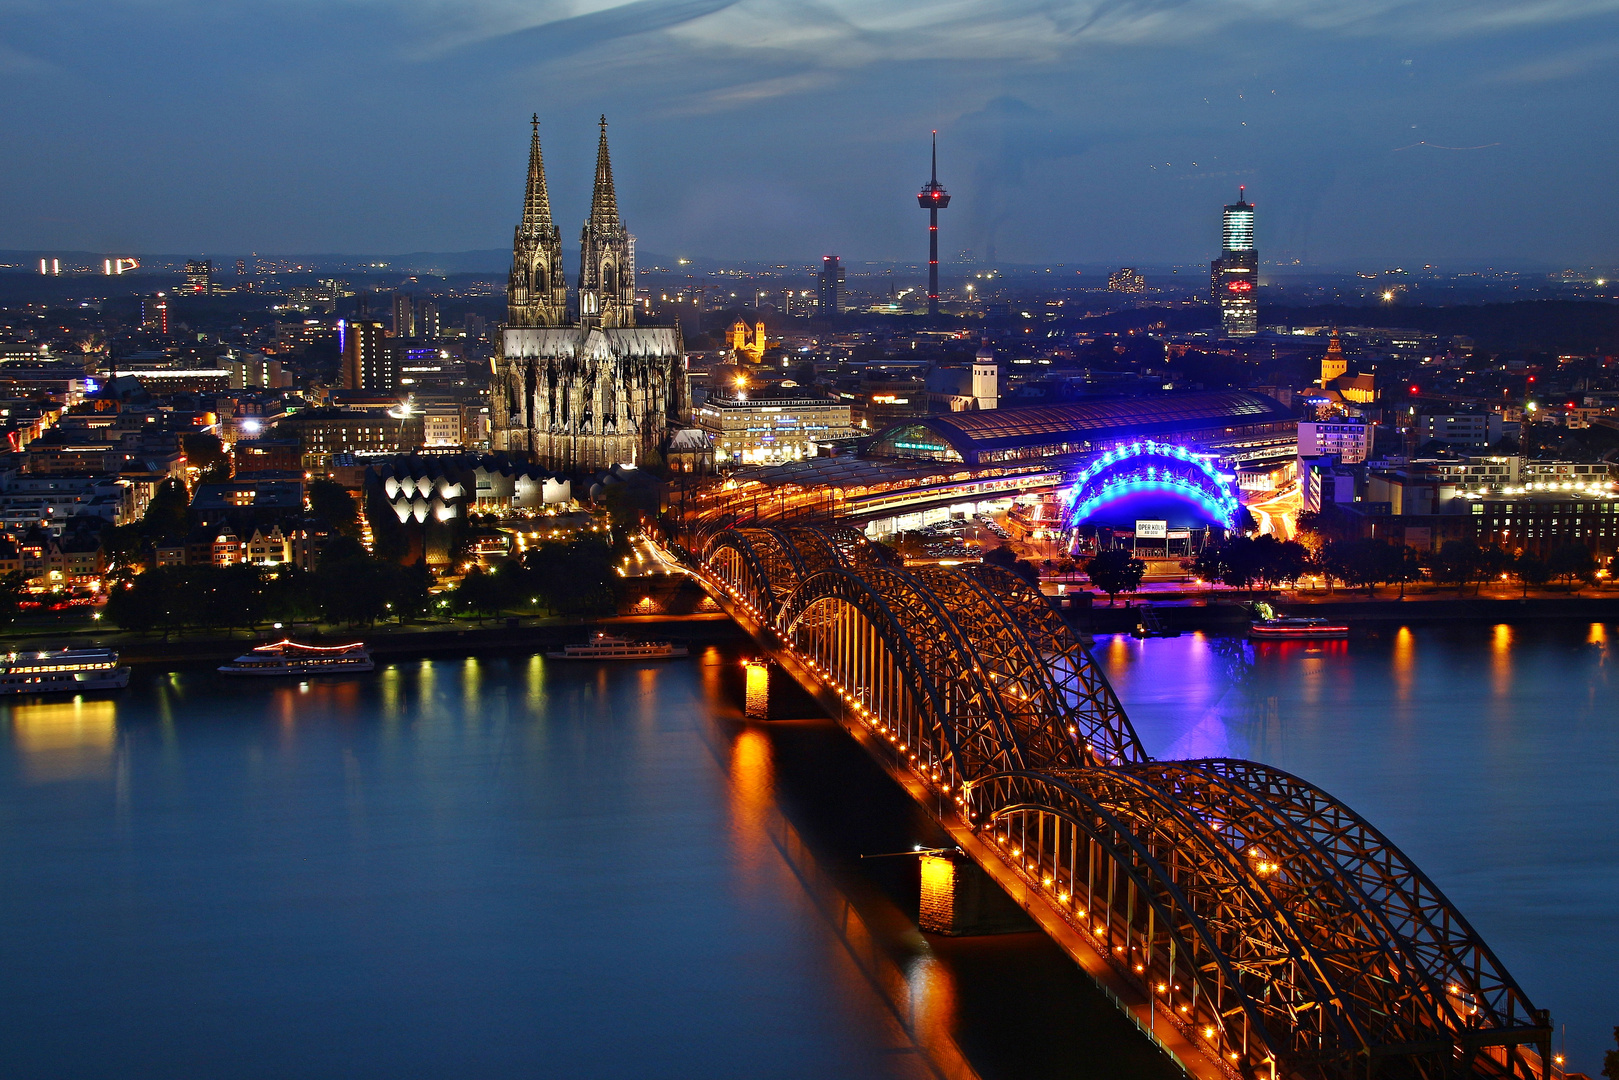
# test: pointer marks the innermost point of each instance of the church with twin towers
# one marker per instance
(579, 387)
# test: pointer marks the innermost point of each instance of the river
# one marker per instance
(502, 866)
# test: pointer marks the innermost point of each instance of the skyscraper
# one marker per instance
(427, 319)
(404, 316)
(601, 391)
(155, 313)
(368, 364)
(1234, 276)
(200, 276)
(829, 290)
(933, 198)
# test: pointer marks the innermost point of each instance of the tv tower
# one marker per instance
(933, 198)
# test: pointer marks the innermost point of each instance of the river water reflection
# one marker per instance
(498, 867)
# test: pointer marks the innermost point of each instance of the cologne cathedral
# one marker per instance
(586, 393)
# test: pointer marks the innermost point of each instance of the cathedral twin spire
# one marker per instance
(537, 294)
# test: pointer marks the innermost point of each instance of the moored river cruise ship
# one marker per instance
(607, 647)
(64, 671)
(288, 657)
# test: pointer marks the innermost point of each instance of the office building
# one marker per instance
(1477, 431)
(256, 370)
(427, 320)
(1234, 276)
(155, 313)
(368, 363)
(772, 426)
(829, 291)
(404, 316)
(325, 433)
(1349, 440)
(441, 426)
(199, 277)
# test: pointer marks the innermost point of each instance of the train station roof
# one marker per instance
(1036, 431)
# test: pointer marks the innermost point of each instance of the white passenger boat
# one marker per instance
(288, 657)
(64, 671)
(602, 646)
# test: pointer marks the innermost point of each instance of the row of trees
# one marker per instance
(562, 577)
(1243, 562)
(349, 587)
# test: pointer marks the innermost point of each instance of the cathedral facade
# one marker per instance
(585, 393)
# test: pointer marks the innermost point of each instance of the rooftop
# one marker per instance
(1080, 425)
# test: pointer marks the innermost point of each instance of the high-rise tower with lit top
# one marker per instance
(1234, 276)
(933, 198)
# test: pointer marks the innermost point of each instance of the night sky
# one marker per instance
(1370, 133)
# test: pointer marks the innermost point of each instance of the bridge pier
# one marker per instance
(960, 900)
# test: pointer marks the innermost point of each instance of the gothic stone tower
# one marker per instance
(602, 391)
(537, 294)
(606, 253)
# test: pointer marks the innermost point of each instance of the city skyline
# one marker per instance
(1071, 133)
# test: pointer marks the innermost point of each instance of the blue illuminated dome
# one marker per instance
(1155, 482)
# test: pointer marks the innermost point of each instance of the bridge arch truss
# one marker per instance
(1272, 924)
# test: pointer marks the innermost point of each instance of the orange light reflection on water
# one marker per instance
(65, 740)
(1405, 662)
(1501, 660)
(753, 801)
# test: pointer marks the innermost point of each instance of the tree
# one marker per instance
(1530, 570)
(130, 608)
(1571, 562)
(572, 577)
(480, 594)
(11, 594)
(332, 503)
(122, 545)
(412, 596)
(1456, 563)
(1115, 571)
(1610, 1060)
(351, 587)
(207, 454)
(166, 510)
(910, 545)
(290, 595)
(1278, 561)
(1404, 566)
(1493, 565)
(1003, 555)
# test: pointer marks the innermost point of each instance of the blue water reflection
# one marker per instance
(479, 868)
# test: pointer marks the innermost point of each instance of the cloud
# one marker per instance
(1563, 65)
(846, 33)
(563, 35)
(14, 62)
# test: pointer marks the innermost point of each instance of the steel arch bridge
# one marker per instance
(1280, 933)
